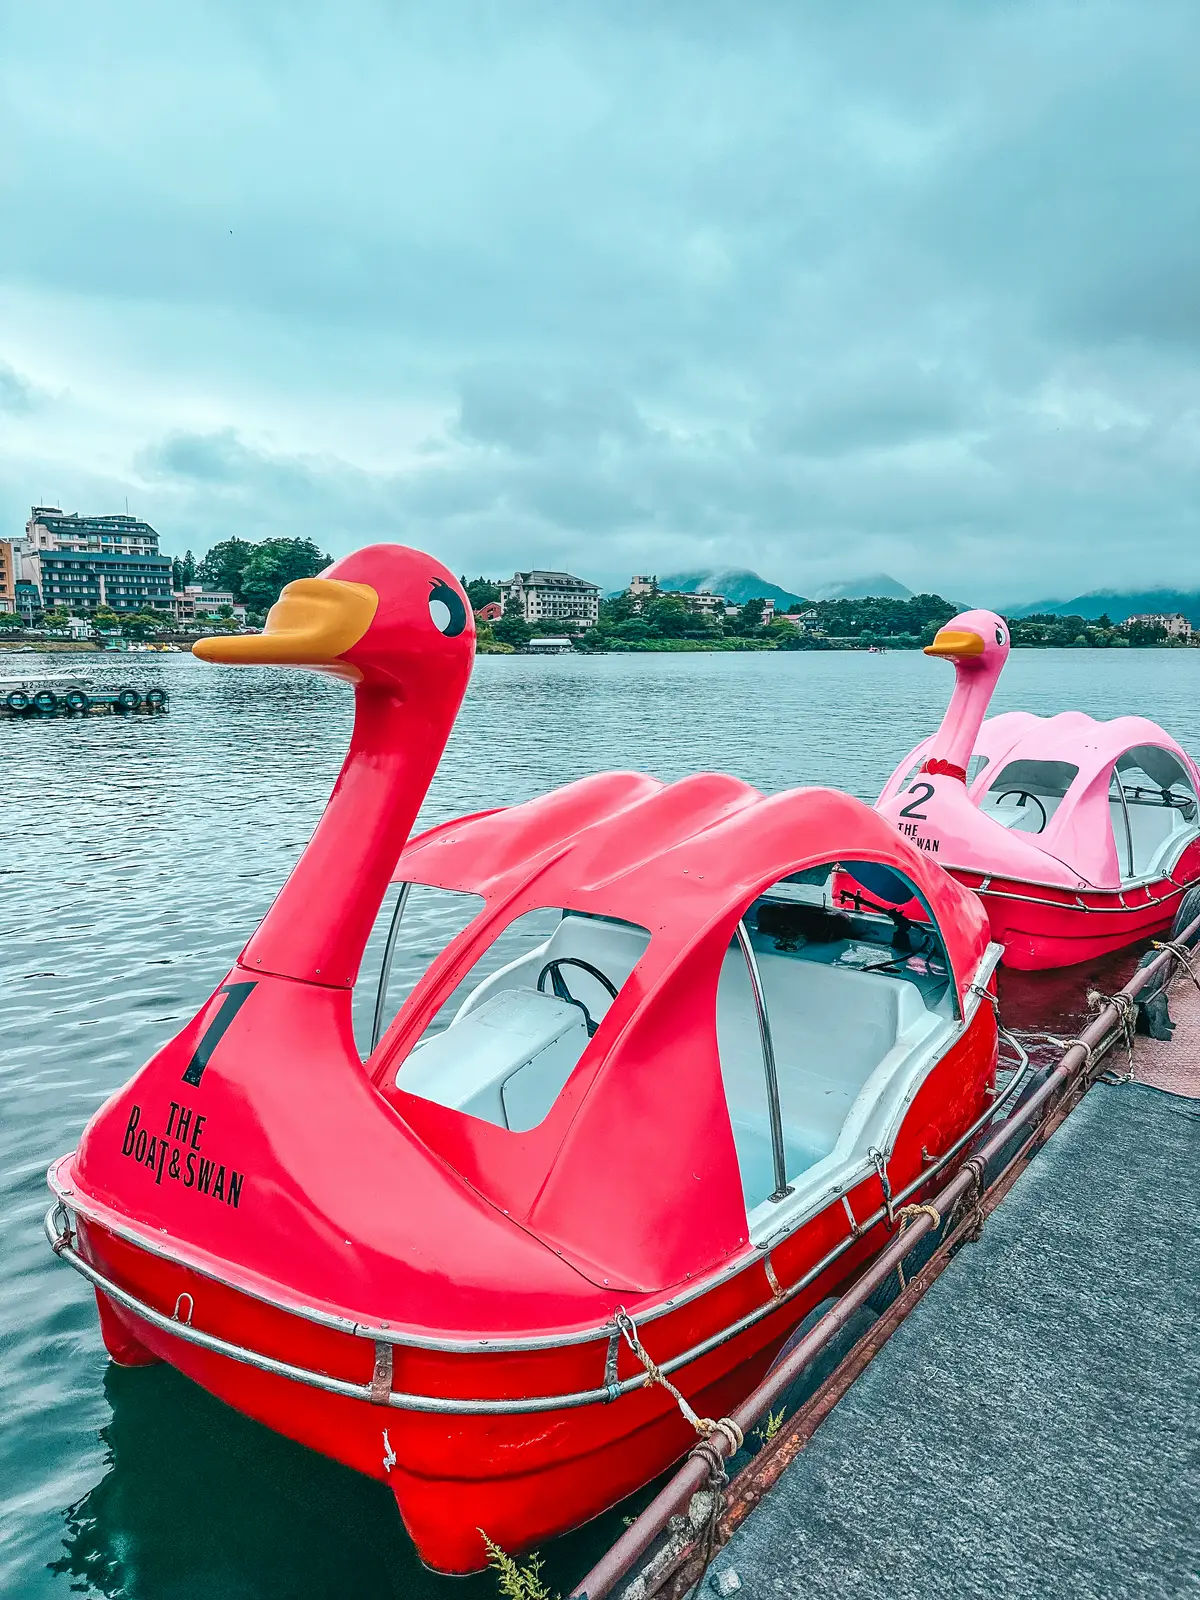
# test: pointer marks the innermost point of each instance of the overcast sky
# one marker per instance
(819, 289)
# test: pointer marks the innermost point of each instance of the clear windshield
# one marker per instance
(1024, 795)
(1152, 808)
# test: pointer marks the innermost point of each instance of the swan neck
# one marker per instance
(954, 742)
(318, 927)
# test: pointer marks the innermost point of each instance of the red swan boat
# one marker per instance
(691, 1108)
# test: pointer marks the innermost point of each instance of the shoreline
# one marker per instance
(629, 647)
(765, 647)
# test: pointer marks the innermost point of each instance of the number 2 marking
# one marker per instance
(910, 810)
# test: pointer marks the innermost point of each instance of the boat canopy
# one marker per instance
(676, 858)
(647, 1110)
(1107, 801)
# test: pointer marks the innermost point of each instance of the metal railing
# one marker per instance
(385, 970)
(778, 1154)
(61, 1238)
(1076, 1064)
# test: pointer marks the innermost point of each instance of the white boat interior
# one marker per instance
(1024, 795)
(858, 1005)
(1151, 805)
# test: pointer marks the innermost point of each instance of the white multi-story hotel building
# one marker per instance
(552, 597)
(1174, 624)
(49, 528)
(79, 563)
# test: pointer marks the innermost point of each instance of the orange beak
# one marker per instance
(312, 624)
(960, 644)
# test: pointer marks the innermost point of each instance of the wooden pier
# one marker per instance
(1013, 1407)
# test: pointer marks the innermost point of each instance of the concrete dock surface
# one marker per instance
(1033, 1427)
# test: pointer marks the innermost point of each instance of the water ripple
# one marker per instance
(140, 854)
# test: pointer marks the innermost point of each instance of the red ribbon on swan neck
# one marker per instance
(938, 768)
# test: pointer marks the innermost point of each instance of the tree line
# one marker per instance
(254, 573)
(628, 622)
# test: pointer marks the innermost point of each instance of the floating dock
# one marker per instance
(1024, 1416)
(65, 695)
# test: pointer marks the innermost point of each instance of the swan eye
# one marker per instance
(999, 636)
(446, 610)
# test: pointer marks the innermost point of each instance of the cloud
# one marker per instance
(817, 290)
(881, 409)
(16, 393)
(217, 459)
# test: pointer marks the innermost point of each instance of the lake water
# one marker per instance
(139, 853)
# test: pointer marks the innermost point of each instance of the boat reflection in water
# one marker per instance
(200, 1500)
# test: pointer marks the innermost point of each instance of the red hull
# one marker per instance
(522, 1478)
(1043, 925)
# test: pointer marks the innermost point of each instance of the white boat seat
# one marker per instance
(831, 1028)
(510, 1049)
(1152, 827)
(505, 1062)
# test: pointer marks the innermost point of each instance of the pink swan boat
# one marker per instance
(1079, 836)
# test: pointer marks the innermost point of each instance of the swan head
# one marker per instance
(974, 639)
(387, 614)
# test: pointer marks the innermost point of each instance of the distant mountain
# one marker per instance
(737, 584)
(878, 585)
(1118, 604)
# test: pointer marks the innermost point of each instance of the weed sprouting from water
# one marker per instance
(515, 1580)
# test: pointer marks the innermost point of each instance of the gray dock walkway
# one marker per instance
(1033, 1427)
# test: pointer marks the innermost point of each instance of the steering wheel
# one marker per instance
(1023, 795)
(553, 970)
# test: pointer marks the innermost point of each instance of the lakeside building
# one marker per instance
(80, 583)
(491, 612)
(8, 576)
(539, 596)
(194, 601)
(50, 528)
(1174, 624)
(28, 599)
(703, 600)
(550, 645)
(81, 562)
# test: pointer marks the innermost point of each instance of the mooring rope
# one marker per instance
(715, 1483)
(905, 1215)
(1126, 1008)
(705, 1449)
(1183, 954)
(977, 1169)
(704, 1426)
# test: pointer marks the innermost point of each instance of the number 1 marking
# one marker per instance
(236, 995)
